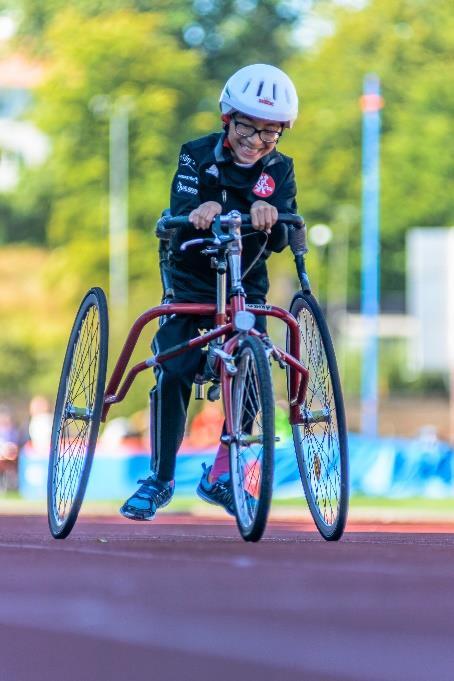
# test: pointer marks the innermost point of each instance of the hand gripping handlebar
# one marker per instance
(297, 236)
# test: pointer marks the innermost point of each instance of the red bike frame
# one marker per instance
(224, 323)
(298, 374)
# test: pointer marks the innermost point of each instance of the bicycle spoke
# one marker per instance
(321, 443)
(253, 433)
(80, 393)
(322, 459)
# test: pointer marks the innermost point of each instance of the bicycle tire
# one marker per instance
(321, 443)
(77, 414)
(252, 442)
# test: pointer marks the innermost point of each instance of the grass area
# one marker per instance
(361, 508)
(411, 503)
(412, 509)
(358, 501)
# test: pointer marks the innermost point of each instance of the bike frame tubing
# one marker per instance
(111, 396)
(298, 373)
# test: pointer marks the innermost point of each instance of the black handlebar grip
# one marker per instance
(289, 218)
(297, 239)
(167, 224)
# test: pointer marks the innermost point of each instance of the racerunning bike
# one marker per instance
(238, 368)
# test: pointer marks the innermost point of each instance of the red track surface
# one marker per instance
(184, 599)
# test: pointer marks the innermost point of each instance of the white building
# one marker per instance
(21, 143)
(430, 297)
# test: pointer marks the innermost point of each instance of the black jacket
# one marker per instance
(206, 172)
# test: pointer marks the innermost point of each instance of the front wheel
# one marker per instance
(77, 413)
(252, 439)
(321, 439)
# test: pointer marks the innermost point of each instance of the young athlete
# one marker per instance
(238, 168)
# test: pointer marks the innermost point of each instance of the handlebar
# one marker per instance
(167, 224)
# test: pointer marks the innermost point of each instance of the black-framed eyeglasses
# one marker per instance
(246, 130)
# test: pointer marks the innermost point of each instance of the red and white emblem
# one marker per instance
(265, 186)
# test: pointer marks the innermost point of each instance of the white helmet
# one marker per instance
(261, 91)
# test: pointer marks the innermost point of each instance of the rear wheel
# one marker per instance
(77, 413)
(252, 439)
(321, 440)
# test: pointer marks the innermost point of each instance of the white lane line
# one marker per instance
(305, 563)
(237, 561)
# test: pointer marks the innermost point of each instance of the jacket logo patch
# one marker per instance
(186, 160)
(265, 186)
(189, 178)
(184, 188)
(212, 170)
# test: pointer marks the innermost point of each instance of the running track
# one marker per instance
(184, 599)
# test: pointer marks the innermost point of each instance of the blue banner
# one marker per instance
(384, 467)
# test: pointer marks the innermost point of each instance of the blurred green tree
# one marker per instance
(95, 63)
(410, 45)
(92, 64)
(112, 48)
(227, 33)
(233, 33)
(98, 52)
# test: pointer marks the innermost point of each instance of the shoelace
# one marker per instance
(150, 486)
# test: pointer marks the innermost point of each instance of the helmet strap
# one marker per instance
(226, 118)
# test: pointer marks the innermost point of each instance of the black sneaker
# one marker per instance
(218, 492)
(151, 495)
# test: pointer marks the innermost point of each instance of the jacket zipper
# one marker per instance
(224, 197)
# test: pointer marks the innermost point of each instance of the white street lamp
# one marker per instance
(117, 110)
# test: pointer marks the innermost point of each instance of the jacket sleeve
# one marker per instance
(184, 194)
(285, 202)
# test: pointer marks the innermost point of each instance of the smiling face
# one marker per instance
(250, 149)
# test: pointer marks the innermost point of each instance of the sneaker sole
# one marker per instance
(132, 516)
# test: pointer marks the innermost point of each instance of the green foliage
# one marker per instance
(99, 53)
(97, 65)
(224, 32)
(24, 214)
(30, 317)
(17, 365)
(232, 33)
(144, 51)
(410, 46)
(41, 292)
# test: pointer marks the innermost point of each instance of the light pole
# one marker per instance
(371, 103)
(118, 207)
(117, 111)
